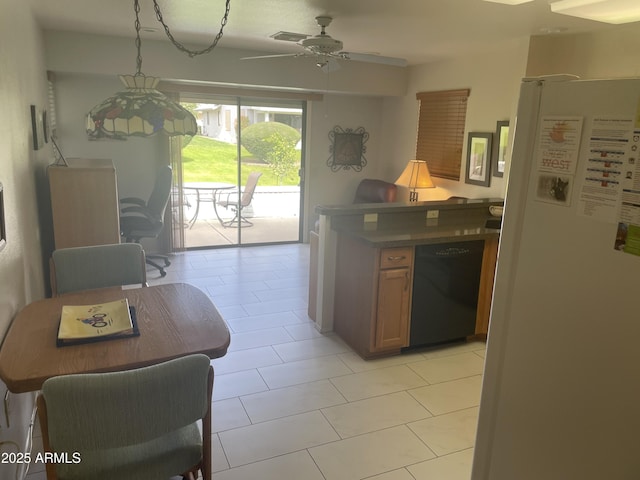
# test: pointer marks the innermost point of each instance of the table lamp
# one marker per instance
(415, 175)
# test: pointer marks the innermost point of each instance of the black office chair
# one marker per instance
(140, 219)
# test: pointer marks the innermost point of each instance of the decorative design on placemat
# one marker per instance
(347, 148)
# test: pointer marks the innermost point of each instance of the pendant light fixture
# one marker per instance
(141, 110)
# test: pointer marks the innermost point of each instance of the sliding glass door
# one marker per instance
(241, 181)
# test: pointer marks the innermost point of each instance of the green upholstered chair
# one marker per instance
(138, 424)
(97, 266)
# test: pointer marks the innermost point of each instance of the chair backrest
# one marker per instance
(159, 198)
(375, 191)
(97, 266)
(106, 410)
(250, 188)
(100, 411)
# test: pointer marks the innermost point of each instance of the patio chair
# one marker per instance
(231, 201)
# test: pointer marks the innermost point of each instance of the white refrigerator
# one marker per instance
(561, 391)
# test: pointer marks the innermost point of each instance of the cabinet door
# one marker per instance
(392, 319)
(485, 288)
(84, 203)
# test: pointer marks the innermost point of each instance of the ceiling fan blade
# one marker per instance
(272, 56)
(371, 58)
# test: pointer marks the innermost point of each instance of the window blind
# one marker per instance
(441, 125)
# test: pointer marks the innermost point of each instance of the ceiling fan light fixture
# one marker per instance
(322, 44)
(608, 11)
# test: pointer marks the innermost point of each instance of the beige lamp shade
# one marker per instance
(415, 175)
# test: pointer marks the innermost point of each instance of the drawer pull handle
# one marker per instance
(396, 258)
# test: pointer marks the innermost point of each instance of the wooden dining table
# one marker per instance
(174, 320)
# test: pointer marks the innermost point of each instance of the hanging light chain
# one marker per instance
(182, 48)
(136, 7)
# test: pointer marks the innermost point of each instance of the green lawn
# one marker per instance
(209, 160)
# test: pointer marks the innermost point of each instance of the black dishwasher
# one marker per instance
(445, 292)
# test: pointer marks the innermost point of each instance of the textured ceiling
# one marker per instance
(418, 30)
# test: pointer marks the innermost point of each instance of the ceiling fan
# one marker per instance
(325, 48)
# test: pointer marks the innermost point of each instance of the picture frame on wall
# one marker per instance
(45, 127)
(37, 127)
(347, 149)
(500, 148)
(479, 159)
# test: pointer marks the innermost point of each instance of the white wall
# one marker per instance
(22, 83)
(22, 173)
(494, 79)
(79, 89)
(81, 53)
(385, 105)
(325, 187)
(135, 158)
(610, 53)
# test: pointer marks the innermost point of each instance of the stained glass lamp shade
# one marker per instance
(140, 110)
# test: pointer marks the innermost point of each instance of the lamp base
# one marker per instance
(413, 196)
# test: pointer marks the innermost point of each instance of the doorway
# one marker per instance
(241, 175)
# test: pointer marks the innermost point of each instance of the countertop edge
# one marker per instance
(396, 207)
(384, 239)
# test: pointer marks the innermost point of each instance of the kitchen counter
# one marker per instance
(397, 208)
(389, 225)
(424, 236)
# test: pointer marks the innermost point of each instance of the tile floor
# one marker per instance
(291, 403)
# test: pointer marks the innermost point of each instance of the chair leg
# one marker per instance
(149, 258)
(237, 219)
(193, 474)
(154, 264)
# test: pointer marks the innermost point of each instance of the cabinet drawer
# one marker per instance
(396, 257)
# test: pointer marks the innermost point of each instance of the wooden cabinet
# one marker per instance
(392, 308)
(485, 294)
(372, 301)
(84, 203)
(373, 295)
